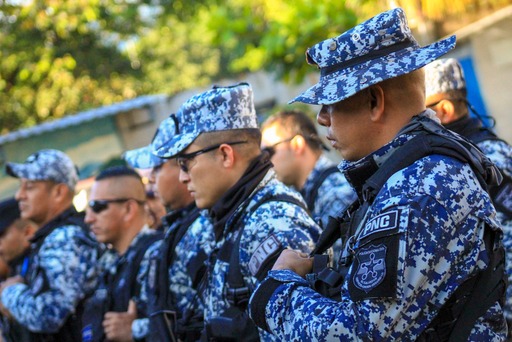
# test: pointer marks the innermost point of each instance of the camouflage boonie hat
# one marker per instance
(218, 109)
(443, 75)
(144, 158)
(47, 164)
(378, 49)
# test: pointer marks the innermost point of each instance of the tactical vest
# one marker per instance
(234, 324)
(115, 289)
(310, 196)
(166, 322)
(501, 195)
(36, 275)
(474, 297)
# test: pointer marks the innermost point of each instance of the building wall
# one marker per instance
(492, 51)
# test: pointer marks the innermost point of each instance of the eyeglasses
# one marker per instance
(271, 150)
(97, 206)
(184, 160)
(432, 105)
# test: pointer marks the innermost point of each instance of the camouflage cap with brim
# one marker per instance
(47, 164)
(218, 109)
(442, 76)
(144, 158)
(380, 48)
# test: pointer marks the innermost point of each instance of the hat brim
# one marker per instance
(142, 158)
(342, 84)
(175, 146)
(18, 170)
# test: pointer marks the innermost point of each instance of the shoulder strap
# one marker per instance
(142, 246)
(238, 293)
(311, 196)
(167, 255)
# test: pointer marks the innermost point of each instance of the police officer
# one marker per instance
(174, 308)
(15, 234)
(446, 94)
(117, 216)
(254, 216)
(422, 257)
(297, 154)
(63, 270)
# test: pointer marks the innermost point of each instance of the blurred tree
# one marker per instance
(61, 57)
(274, 34)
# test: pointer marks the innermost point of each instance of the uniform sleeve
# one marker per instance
(67, 269)
(273, 227)
(140, 328)
(422, 276)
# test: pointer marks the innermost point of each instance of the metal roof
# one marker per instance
(77, 119)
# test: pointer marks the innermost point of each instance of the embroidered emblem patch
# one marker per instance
(372, 267)
(267, 248)
(383, 222)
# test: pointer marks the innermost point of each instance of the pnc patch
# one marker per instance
(372, 267)
(267, 248)
(383, 222)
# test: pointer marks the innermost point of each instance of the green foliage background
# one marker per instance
(61, 57)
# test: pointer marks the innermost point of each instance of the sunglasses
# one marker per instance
(97, 206)
(271, 150)
(184, 160)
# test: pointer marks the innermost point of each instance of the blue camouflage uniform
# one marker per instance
(436, 201)
(333, 195)
(442, 77)
(120, 283)
(424, 233)
(273, 223)
(256, 218)
(500, 153)
(186, 232)
(62, 273)
(182, 290)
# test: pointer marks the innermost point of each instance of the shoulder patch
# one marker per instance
(372, 267)
(269, 247)
(383, 222)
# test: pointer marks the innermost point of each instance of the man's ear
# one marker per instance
(227, 154)
(376, 102)
(446, 112)
(298, 143)
(61, 192)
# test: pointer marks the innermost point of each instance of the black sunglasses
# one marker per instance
(183, 160)
(97, 206)
(271, 150)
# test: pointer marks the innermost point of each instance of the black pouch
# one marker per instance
(233, 325)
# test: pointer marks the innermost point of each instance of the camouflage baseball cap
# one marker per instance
(46, 164)
(378, 49)
(144, 158)
(443, 75)
(218, 109)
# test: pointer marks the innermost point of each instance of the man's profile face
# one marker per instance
(205, 180)
(172, 193)
(13, 242)
(348, 123)
(106, 225)
(283, 158)
(35, 199)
